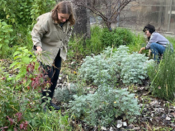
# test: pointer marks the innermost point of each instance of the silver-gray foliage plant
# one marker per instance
(111, 67)
(66, 93)
(106, 104)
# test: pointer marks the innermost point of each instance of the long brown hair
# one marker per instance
(64, 7)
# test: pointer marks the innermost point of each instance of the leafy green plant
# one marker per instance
(40, 7)
(111, 67)
(117, 37)
(76, 49)
(30, 74)
(162, 76)
(14, 106)
(123, 36)
(102, 107)
(138, 42)
(17, 12)
(21, 110)
(5, 38)
(49, 121)
(107, 37)
(20, 98)
(94, 44)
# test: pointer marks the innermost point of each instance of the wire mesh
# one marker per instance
(160, 13)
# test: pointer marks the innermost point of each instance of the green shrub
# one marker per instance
(23, 111)
(162, 76)
(29, 73)
(5, 39)
(79, 47)
(138, 42)
(111, 67)
(16, 11)
(65, 94)
(20, 98)
(100, 39)
(117, 37)
(15, 105)
(94, 44)
(23, 12)
(107, 37)
(40, 7)
(102, 107)
(123, 37)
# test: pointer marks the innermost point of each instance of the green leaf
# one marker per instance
(16, 53)
(13, 64)
(26, 60)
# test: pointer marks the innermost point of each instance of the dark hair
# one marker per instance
(149, 27)
(64, 7)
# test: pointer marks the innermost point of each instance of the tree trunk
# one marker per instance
(82, 26)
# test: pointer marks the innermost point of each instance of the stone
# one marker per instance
(124, 124)
(136, 128)
(103, 128)
(168, 118)
(153, 103)
(111, 129)
(119, 123)
(131, 126)
(163, 116)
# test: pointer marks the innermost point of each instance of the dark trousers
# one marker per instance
(53, 73)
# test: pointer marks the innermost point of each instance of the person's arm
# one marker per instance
(153, 39)
(38, 31)
(143, 48)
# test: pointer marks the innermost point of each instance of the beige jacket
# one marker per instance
(51, 38)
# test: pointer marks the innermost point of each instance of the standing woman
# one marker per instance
(51, 34)
(156, 42)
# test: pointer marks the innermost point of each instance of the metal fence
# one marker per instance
(160, 13)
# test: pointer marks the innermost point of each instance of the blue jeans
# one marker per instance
(157, 50)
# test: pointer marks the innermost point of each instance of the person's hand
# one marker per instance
(39, 50)
(143, 48)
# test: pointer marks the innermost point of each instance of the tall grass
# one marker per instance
(171, 40)
(162, 76)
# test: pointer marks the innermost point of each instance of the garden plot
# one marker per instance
(155, 113)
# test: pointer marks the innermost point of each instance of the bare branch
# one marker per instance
(108, 10)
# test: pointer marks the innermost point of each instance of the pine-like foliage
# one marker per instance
(111, 67)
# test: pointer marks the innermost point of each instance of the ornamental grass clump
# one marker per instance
(112, 67)
(162, 76)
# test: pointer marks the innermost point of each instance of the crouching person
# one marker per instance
(51, 34)
(156, 42)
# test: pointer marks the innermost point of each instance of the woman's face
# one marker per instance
(147, 33)
(63, 17)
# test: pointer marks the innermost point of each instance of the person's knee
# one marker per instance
(153, 45)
